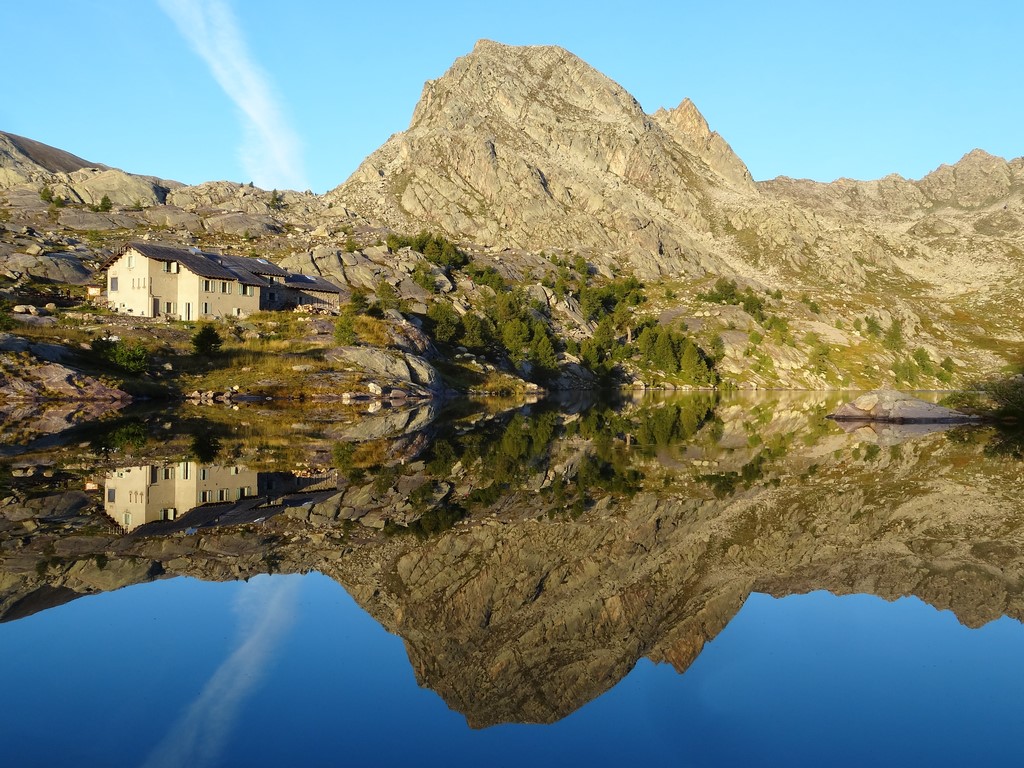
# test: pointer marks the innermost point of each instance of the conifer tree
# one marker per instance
(645, 342)
(664, 355)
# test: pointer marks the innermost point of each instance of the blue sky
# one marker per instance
(295, 95)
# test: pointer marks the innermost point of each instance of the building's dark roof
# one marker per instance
(311, 283)
(248, 271)
(255, 266)
(195, 261)
(246, 277)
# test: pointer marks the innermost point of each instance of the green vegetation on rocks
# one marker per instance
(130, 357)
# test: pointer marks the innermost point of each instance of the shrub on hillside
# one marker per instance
(206, 341)
(132, 358)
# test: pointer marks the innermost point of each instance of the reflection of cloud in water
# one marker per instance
(265, 610)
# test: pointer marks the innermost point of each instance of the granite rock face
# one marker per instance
(121, 188)
(399, 369)
(64, 267)
(688, 127)
(23, 156)
(530, 147)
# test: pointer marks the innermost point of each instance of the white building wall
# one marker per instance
(163, 291)
(129, 285)
(137, 285)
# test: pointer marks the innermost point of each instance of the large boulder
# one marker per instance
(59, 267)
(395, 367)
(173, 217)
(121, 188)
(83, 220)
(898, 407)
(241, 224)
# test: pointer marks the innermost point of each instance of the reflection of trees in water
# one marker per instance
(565, 462)
(1007, 442)
(205, 447)
(119, 436)
(1000, 398)
(998, 440)
(150, 429)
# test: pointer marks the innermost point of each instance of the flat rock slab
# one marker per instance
(899, 408)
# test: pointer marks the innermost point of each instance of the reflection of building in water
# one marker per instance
(227, 495)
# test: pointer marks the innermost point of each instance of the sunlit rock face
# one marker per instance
(530, 558)
(530, 147)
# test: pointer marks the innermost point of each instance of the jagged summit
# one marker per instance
(532, 147)
(689, 127)
(519, 83)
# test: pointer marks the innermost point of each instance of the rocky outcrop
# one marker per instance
(25, 377)
(27, 155)
(230, 197)
(688, 127)
(241, 224)
(977, 180)
(398, 370)
(84, 220)
(172, 217)
(58, 267)
(122, 189)
(898, 407)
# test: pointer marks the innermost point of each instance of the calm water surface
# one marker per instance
(694, 583)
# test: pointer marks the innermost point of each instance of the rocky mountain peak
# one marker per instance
(531, 147)
(976, 180)
(496, 83)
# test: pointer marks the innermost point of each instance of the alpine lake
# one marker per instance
(692, 580)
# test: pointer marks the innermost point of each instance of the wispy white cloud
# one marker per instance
(270, 150)
(265, 609)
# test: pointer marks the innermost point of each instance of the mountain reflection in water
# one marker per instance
(530, 557)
